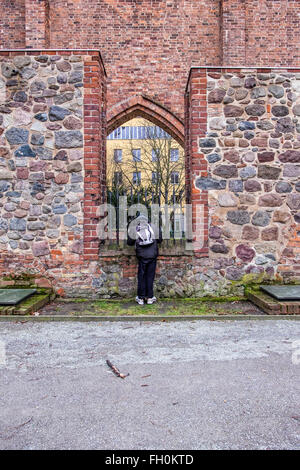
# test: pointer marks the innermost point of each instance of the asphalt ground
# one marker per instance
(192, 385)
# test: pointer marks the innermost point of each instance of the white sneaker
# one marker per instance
(151, 301)
(139, 301)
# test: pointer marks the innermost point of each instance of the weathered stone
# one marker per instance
(4, 186)
(265, 125)
(43, 59)
(250, 233)
(296, 110)
(18, 225)
(241, 94)
(238, 217)
(227, 200)
(27, 73)
(60, 209)
(258, 92)
(250, 82)
(293, 201)
(226, 171)
(25, 151)
(207, 143)
(77, 247)
(61, 155)
(261, 218)
(245, 253)
(255, 110)
(41, 117)
(22, 61)
(72, 123)
(290, 156)
(40, 248)
(209, 183)
(234, 274)
(216, 96)
(8, 70)
(283, 187)
(37, 225)
(63, 66)
(6, 175)
(247, 172)
(44, 153)
(70, 220)
(252, 186)
(231, 110)
(64, 97)
(236, 186)
(68, 139)
(281, 216)
(291, 171)
(74, 167)
(268, 172)
(17, 136)
(76, 77)
(285, 125)
(276, 90)
(37, 87)
(264, 157)
(280, 111)
(20, 97)
(232, 155)
(61, 178)
(246, 125)
(269, 234)
(219, 248)
(215, 232)
(37, 139)
(56, 113)
(213, 158)
(270, 200)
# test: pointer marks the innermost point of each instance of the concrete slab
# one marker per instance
(14, 296)
(283, 292)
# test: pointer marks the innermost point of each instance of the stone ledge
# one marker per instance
(272, 306)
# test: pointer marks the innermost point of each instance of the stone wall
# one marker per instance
(148, 46)
(52, 164)
(251, 159)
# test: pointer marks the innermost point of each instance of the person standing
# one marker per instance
(146, 247)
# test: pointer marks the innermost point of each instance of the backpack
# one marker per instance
(145, 235)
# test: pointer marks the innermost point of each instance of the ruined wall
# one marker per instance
(149, 46)
(52, 163)
(250, 154)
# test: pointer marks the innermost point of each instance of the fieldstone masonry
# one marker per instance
(252, 154)
(242, 161)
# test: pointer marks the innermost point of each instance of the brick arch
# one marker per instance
(141, 106)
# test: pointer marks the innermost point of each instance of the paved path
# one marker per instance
(192, 385)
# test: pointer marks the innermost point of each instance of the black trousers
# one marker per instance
(146, 274)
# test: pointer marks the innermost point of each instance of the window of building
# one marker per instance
(117, 155)
(117, 178)
(136, 177)
(155, 155)
(174, 155)
(155, 177)
(174, 177)
(136, 155)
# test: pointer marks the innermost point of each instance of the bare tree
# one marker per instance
(157, 159)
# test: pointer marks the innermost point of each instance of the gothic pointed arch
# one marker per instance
(142, 106)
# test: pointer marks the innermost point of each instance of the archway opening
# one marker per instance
(146, 166)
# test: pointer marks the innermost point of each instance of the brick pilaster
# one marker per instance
(196, 126)
(94, 150)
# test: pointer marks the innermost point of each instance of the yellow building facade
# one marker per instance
(142, 155)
